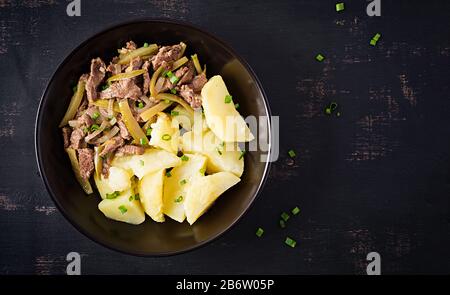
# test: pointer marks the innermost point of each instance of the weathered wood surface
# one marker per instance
(375, 179)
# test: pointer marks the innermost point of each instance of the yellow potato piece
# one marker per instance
(119, 180)
(165, 135)
(150, 190)
(151, 161)
(176, 186)
(223, 118)
(204, 191)
(222, 156)
(123, 208)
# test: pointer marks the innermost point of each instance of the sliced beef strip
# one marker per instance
(188, 94)
(77, 139)
(122, 89)
(86, 162)
(146, 75)
(131, 46)
(187, 73)
(112, 145)
(130, 150)
(98, 71)
(135, 64)
(198, 82)
(66, 131)
(114, 69)
(123, 130)
(167, 54)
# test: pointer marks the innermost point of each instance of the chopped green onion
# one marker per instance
(142, 141)
(295, 211)
(376, 37)
(94, 127)
(131, 198)
(142, 162)
(164, 73)
(202, 171)
(95, 115)
(236, 106)
(136, 197)
(173, 91)
(123, 209)
(183, 181)
(174, 113)
(174, 79)
(241, 155)
(320, 57)
(149, 131)
(259, 232)
(168, 174)
(285, 216)
(340, 6)
(292, 153)
(140, 105)
(85, 130)
(179, 199)
(166, 137)
(168, 74)
(282, 223)
(331, 108)
(290, 242)
(104, 87)
(185, 158)
(373, 42)
(112, 195)
(228, 98)
(145, 44)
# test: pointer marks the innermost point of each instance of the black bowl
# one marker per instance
(149, 238)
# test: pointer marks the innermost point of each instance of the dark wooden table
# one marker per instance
(377, 178)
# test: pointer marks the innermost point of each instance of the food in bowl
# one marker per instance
(157, 136)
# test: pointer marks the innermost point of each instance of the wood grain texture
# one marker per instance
(377, 178)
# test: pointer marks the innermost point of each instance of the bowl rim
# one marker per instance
(37, 142)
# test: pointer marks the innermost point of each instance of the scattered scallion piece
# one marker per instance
(331, 108)
(168, 174)
(149, 131)
(285, 216)
(183, 181)
(179, 199)
(295, 211)
(94, 127)
(174, 113)
(105, 86)
(202, 171)
(145, 44)
(137, 197)
(376, 37)
(241, 155)
(228, 98)
(292, 153)
(95, 115)
(236, 106)
(340, 6)
(185, 158)
(173, 91)
(140, 105)
(259, 232)
(142, 162)
(112, 195)
(166, 137)
(320, 57)
(142, 141)
(131, 198)
(282, 223)
(290, 242)
(123, 209)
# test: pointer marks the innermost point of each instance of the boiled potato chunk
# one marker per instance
(150, 190)
(119, 180)
(165, 135)
(223, 118)
(151, 161)
(176, 186)
(204, 191)
(222, 156)
(123, 208)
